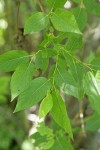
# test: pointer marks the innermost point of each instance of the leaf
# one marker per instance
(21, 78)
(78, 73)
(95, 63)
(64, 20)
(45, 105)
(93, 123)
(74, 42)
(81, 17)
(59, 113)
(43, 142)
(71, 82)
(41, 62)
(92, 7)
(66, 82)
(36, 22)
(44, 137)
(62, 143)
(55, 3)
(10, 60)
(93, 91)
(35, 93)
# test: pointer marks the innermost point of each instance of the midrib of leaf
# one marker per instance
(41, 19)
(14, 59)
(76, 39)
(60, 143)
(62, 76)
(41, 86)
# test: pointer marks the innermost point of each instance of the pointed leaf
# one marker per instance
(45, 105)
(21, 78)
(10, 60)
(65, 21)
(35, 93)
(92, 6)
(36, 22)
(80, 16)
(59, 113)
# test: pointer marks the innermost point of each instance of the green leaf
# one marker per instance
(35, 93)
(59, 113)
(95, 63)
(65, 21)
(93, 91)
(41, 62)
(80, 16)
(92, 6)
(78, 73)
(93, 123)
(36, 22)
(74, 42)
(44, 137)
(21, 78)
(71, 82)
(10, 60)
(55, 3)
(66, 82)
(45, 105)
(43, 142)
(62, 143)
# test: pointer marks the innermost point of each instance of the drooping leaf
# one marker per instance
(93, 91)
(93, 123)
(65, 21)
(35, 93)
(95, 63)
(74, 42)
(45, 105)
(10, 60)
(78, 73)
(80, 16)
(36, 22)
(62, 143)
(66, 82)
(59, 113)
(92, 6)
(41, 62)
(55, 3)
(21, 78)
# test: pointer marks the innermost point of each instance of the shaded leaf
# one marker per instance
(93, 123)
(62, 143)
(80, 16)
(92, 6)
